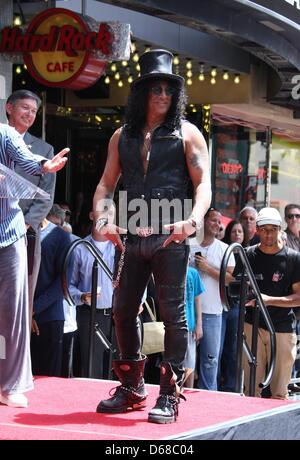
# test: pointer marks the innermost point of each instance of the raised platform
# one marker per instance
(65, 409)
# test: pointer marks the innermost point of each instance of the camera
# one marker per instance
(198, 253)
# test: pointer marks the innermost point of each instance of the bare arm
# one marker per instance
(106, 187)
(289, 301)
(198, 309)
(103, 197)
(198, 166)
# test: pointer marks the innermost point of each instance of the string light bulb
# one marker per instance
(120, 84)
(130, 79)
(237, 79)
(213, 72)
(113, 67)
(107, 80)
(189, 74)
(135, 57)
(189, 82)
(133, 47)
(176, 59)
(17, 21)
(189, 64)
(201, 76)
(225, 75)
(213, 81)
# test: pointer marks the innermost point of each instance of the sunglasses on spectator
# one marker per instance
(291, 216)
(158, 90)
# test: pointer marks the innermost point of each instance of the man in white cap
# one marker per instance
(279, 270)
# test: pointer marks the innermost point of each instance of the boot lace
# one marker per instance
(169, 400)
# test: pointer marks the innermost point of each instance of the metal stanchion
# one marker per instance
(248, 278)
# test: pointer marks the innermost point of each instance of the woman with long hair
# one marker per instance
(234, 233)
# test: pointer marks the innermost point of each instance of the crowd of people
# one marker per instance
(156, 153)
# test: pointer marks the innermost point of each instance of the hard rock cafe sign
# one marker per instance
(63, 49)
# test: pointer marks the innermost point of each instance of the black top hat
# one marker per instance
(157, 64)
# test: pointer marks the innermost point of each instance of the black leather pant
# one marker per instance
(145, 256)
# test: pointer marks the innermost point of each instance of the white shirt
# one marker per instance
(81, 279)
(70, 324)
(210, 299)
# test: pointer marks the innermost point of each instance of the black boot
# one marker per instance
(131, 393)
(166, 407)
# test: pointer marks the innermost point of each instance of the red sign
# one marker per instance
(59, 48)
(231, 168)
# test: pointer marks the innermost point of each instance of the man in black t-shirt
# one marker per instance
(279, 268)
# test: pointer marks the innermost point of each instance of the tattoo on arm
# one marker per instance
(195, 161)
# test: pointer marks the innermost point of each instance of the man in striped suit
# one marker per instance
(21, 109)
(15, 363)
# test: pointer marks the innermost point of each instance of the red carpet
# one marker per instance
(65, 409)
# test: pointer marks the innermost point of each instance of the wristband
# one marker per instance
(101, 222)
(191, 220)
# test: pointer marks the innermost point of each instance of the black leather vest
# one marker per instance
(166, 179)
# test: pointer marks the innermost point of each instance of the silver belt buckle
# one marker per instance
(144, 232)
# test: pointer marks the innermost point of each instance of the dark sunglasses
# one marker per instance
(158, 90)
(290, 216)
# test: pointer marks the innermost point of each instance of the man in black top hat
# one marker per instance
(157, 153)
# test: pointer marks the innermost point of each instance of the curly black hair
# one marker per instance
(136, 110)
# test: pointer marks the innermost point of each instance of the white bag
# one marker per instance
(154, 333)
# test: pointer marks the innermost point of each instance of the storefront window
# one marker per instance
(286, 161)
(239, 167)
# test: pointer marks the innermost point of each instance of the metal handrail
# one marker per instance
(94, 253)
(236, 247)
(93, 327)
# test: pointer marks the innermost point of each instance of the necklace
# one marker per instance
(205, 250)
(148, 133)
(147, 145)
